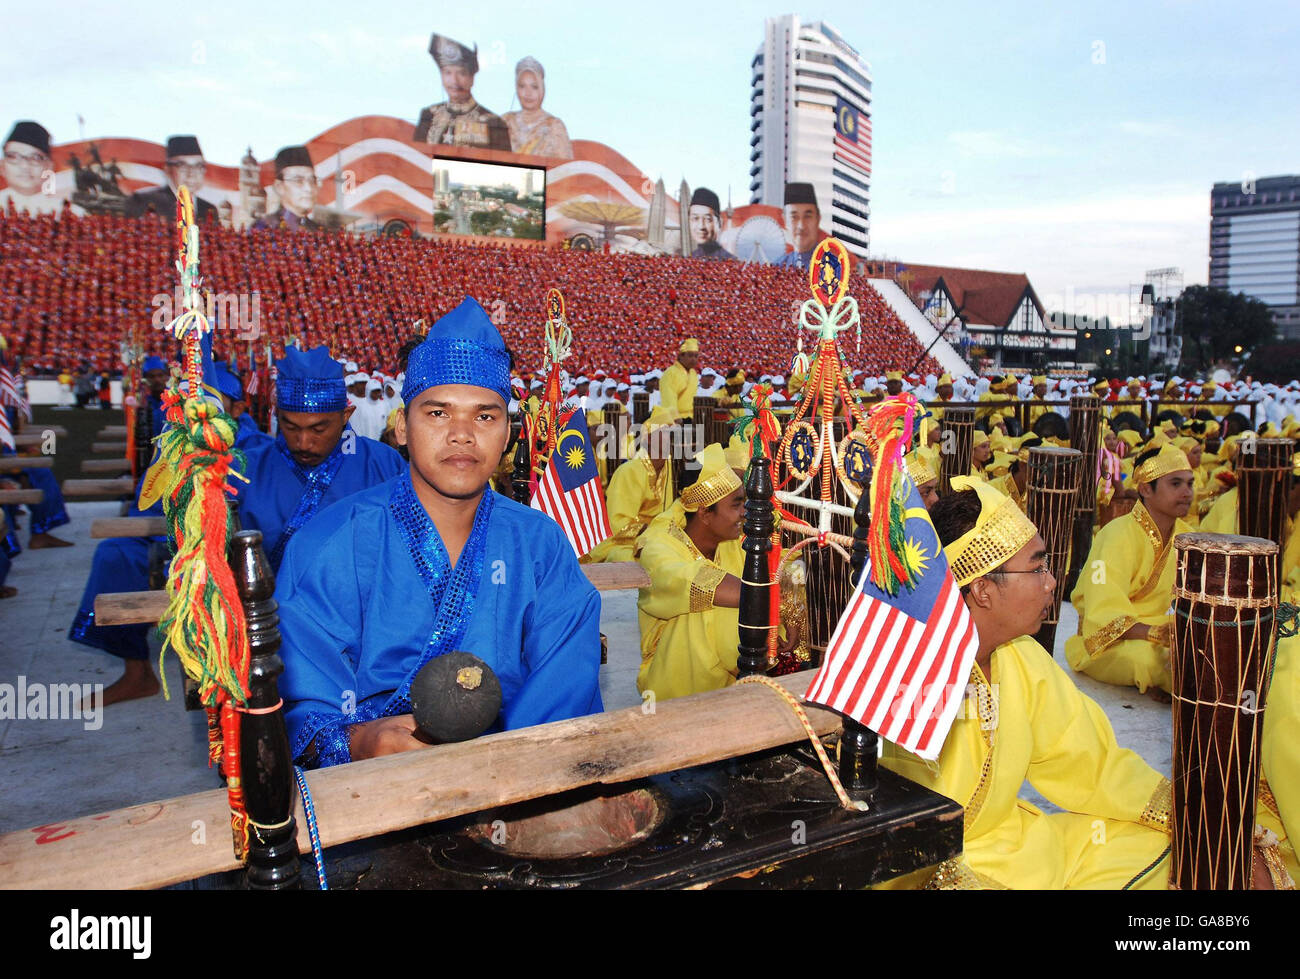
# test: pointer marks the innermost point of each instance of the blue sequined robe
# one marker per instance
(362, 588)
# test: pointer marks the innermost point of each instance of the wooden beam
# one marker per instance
(116, 447)
(617, 575)
(98, 487)
(155, 844)
(25, 439)
(112, 431)
(21, 496)
(105, 465)
(136, 607)
(15, 463)
(128, 527)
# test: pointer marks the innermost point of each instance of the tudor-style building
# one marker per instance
(1000, 321)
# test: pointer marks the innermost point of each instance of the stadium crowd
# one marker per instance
(71, 291)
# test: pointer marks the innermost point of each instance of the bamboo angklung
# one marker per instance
(1085, 436)
(1054, 475)
(956, 444)
(1225, 623)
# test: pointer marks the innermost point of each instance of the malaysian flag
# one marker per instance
(6, 433)
(899, 664)
(852, 136)
(569, 491)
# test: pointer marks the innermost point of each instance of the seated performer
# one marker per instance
(690, 614)
(430, 562)
(315, 459)
(680, 381)
(640, 490)
(1123, 592)
(1028, 721)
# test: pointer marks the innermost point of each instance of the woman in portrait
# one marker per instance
(532, 130)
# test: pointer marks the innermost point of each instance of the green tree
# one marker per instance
(1214, 322)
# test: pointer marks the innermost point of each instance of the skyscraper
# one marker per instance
(1255, 244)
(810, 114)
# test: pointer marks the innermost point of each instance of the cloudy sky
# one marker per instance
(1076, 142)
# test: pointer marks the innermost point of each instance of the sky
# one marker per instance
(1075, 142)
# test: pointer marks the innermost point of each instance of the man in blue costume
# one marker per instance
(285, 489)
(315, 459)
(431, 562)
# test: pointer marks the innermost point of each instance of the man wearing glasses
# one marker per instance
(296, 186)
(185, 167)
(27, 166)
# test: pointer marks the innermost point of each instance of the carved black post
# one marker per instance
(519, 475)
(143, 430)
(859, 745)
(268, 777)
(756, 580)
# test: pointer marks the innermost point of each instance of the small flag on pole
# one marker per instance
(569, 491)
(899, 664)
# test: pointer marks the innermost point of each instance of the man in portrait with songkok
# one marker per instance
(296, 186)
(705, 219)
(184, 166)
(460, 121)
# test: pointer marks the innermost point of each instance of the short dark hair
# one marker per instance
(955, 514)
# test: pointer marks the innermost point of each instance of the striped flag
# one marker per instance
(569, 491)
(6, 433)
(899, 664)
(852, 136)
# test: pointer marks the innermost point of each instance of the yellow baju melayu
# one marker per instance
(1128, 579)
(1038, 727)
(636, 495)
(677, 390)
(688, 643)
(1278, 808)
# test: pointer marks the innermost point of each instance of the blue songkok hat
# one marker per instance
(310, 382)
(154, 364)
(462, 348)
(227, 383)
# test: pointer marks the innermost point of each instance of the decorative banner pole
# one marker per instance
(559, 344)
(205, 622)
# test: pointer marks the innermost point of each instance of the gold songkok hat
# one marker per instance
(1000, 531)
(1038, 379)
(981, 438)
(919, 469)
(689, 346)
(717, 480)
(943, 379)
(1186, 443)
(1170, 459)
(1009, 381)
(1130, 437)
(737, 378)
(893, 375)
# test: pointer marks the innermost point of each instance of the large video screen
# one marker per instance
(489, 200)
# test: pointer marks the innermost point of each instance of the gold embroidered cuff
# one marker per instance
(1267, 799)
(704, 584)
(1162, 634)
(1108, 635)
(955, 875)
(1156, 813)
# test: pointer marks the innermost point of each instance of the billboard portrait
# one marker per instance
(28, 169)
(489, 200)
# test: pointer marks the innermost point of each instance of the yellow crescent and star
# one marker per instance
(575, 457)
(848, 121)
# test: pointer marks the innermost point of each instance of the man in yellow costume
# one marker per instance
(677, 386)
(640, 489)
(1027, 721)
(690, 614)
(1126, 585)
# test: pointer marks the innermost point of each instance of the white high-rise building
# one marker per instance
(803, 75)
